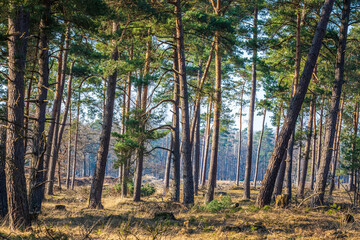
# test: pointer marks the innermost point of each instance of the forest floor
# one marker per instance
(124, 219)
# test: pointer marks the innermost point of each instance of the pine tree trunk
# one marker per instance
(305, 163)
(352, 185)
(3, 194)
(18, 26)
(54, 130)
(206, 143)
(250, 132)
(280, 177)
(259, 149)
(38, 139)
(209, 196)
(185, 141)
(312, 178)
(140, 151)
(197, 155)
(320, 135)
(268, 182)
(298, 168)
(99, 173)
(168, 167)
(337, 148)
(76, 139)
(68, 168)
(240, 139)
(322, 174)
(176, 132)
(60, 127)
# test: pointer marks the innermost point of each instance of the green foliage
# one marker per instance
(218, 205)
(146, 190)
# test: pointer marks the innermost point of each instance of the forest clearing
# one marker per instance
(125, 219)
(245, 113)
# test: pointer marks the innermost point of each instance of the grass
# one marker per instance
(124, 219)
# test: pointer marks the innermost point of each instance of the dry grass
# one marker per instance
(124, 219)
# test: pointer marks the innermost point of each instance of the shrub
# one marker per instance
(146, 190)
(216, 206)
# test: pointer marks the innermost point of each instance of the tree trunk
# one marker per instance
(140, 151)
(320, 135)
(312, 178)
(18, 26)
(298, 168)
(206, 143)
(76, 139)
(168, 167)
(259, 148)
(322, 174)
(337, 148)
(305, 163)
(176, 132)
(99, 173)
(280, 177)
(240, 139)
(249, 148)
(38, 139)
(54, 126)
(58, 136)
(352, 181)
(185, 141)
(209, 196)
(197, 155)
(68, 172)
(267, 186)
(3, 194)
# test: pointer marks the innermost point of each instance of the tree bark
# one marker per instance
(320, 135)
(267, 186)
(298, 168)
(312, 177)
(337, 148)
(251, 112)
(209, 196)
(322, 174)
(54, 126)
(240, 138)
(305, 163)
(140, 151)
(68, 168)
(38, 140)
(206, 143)
(185, 141)
(259, 149)
(168, 168)
(99, 173)
(18, 26)
(176, 132)
(197, 154)
(3, 194)
(60, 127)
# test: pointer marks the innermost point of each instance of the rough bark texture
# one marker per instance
(320, 135)
(280, 177)
(18, 25)
(38, 138)
(68, 168)
(185, 141)
(259, 148)
(209, 196)
(99, 173)
(322, 174)
(175, 193)
(267, 186)
(250, 132)
(305, 163)
(298, 168)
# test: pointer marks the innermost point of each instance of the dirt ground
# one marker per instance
(124, 219)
